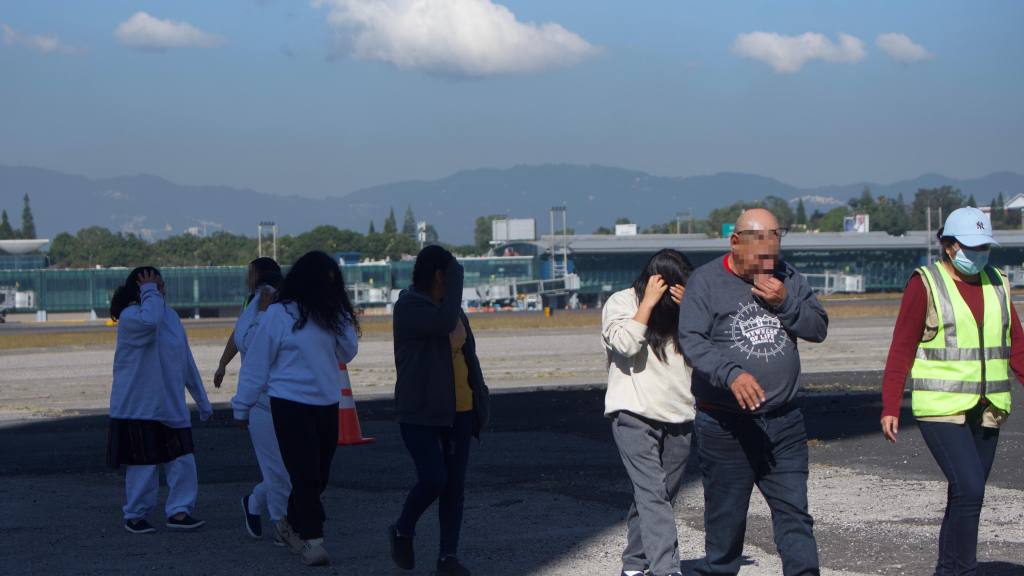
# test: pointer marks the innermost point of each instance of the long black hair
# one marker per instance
(430, 260)
(130, 292)
(267, 272)
(317, 287)
(663, 327)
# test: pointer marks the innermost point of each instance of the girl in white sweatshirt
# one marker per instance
(293, 358)
(150, 424)
(271, 494)
(651, 406)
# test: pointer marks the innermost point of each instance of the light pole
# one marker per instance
(689, 222)
(421, 233)
(272, 228)
(554, 242)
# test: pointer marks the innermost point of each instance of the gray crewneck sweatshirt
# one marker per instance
(725, 330)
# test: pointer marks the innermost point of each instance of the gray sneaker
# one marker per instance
(313, 553)
(288, 537)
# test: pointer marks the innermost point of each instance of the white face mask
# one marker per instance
(970, 261)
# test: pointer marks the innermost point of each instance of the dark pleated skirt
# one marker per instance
(145, 442)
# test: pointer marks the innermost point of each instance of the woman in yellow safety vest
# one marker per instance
(957, 336)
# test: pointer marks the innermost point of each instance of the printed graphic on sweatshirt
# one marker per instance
(757, 333)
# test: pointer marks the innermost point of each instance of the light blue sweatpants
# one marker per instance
(143, 482)
(270, 495)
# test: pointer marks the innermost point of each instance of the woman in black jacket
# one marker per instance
(441, 400)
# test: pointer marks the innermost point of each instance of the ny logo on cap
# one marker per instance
(981, 225)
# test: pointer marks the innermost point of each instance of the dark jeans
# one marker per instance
(737, 452)
(308, 437)
(965, 454)
(441, 456)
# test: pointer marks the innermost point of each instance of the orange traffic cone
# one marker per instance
(349, 432)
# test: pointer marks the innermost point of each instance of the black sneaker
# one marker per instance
(402, 551)
(185, 524)
(139, 526)
(253, 525)
(450, 566)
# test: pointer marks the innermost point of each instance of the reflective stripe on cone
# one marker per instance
(349, 431)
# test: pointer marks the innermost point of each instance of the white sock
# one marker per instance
(634, 573)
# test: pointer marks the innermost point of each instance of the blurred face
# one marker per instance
(755, 252)
(952, 249)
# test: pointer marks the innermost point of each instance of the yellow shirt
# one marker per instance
(463, 392)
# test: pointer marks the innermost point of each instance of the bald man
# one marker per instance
(738, 327)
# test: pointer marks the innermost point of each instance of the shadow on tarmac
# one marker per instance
(553, 441)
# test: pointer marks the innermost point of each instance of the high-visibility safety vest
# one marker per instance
(963, 362)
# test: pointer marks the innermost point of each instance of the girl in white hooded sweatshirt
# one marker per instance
(150, 423)
(293, 358)
(271, 494)
(651, 407)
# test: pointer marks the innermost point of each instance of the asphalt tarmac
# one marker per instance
(547, 495)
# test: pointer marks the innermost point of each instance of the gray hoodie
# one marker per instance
(725, 331)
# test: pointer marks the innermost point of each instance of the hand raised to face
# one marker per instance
(656, 288)
(770, 289)
(147, 277)
(676, 292)
(266, 298)
(458, 336)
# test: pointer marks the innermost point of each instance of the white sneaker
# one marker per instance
(313, 553)
(288, 537)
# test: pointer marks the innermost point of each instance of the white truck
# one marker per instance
(11, 298)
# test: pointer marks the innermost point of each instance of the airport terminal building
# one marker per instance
(883, 262)
(598, 265)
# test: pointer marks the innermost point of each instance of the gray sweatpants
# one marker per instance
(655, 455)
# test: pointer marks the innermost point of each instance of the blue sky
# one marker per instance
(323, 98)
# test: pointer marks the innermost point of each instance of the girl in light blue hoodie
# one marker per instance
(293, 358)
(271, 494)
(150, 423)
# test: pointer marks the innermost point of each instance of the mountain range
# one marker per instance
(593, 195)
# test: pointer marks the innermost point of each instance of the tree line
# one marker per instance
(28, 224)
(892, 215)
(98, 246)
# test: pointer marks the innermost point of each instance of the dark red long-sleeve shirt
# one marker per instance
(910, 327)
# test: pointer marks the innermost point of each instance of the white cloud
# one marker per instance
(39, 43)
(788, 54)
(148, 33)
(901, 48)
(451, 37)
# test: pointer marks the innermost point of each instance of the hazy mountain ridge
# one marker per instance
(594, 196)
